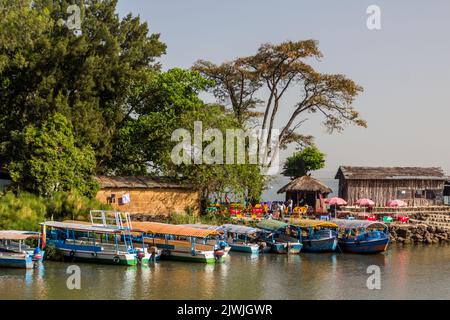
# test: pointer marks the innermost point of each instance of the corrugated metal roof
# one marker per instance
(139, 182)
(272, 225)
(176, 230)
(390, 173)
(17, 235)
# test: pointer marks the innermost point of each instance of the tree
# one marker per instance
(168, 102)
(274, 70)
(301, 163)
(47, 160)
(47, 69)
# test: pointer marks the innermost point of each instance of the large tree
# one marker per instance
(46, 68)
(272, 72)
(168, 102)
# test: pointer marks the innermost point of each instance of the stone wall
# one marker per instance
(152, 201)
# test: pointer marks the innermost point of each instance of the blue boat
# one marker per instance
(316, 235)
(240, 238)
(15, 253)
(275, 234)
(362, 236)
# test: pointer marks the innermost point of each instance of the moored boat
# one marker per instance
(316, 235)
(220, 240)
(15, 253)
(95, 243)
(179, 242)
(362, 236)
(275, 234)
(240, 238)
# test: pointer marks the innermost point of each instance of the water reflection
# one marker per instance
(410, 272)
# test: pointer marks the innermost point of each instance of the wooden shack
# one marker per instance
(147, 195)
(414, 185)
(308, 189)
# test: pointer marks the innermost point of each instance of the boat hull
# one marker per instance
(320, 245)
(201, 257)
(242, 247)
(364, 246)
(16, 261)
(284, 248)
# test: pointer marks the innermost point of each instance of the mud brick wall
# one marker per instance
(152, 201)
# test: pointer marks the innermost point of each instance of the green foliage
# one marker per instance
(26, 211)
(72, 206)
(301, 163)
(45, 69)
(23, 212)
(48, 161)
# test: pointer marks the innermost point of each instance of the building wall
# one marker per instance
(382, 191)
(152, 201)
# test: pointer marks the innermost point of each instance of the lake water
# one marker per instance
(414, 272)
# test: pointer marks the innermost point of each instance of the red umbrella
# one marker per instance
(365, 202)
(397, 203)
(337, 202)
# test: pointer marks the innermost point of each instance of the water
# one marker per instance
(414, 272)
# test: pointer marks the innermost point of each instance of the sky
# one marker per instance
(404, 67)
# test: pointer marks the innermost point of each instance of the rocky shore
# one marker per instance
(418, 233)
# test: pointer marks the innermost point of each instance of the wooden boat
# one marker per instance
(15, 253)
(239, 238)
(179, 242)
(362, 236)
(95, 243)
(222, 248)
(316, 235)
(275, 235)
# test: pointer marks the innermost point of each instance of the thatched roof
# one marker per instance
(390, 173)
(305, 183)
(139, 182)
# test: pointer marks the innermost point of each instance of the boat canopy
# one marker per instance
(356, 224)
(18, 235)
(238, 229)
(272, 225)
(203, 226)
(171, 229)
(309, 223)
(82, 226)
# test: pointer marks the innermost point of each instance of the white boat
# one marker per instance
(179, 242)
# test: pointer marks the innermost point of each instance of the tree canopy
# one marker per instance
(303, 162)
(270, 73)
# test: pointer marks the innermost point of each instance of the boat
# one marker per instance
(316, 235)
(16, 253)
(239, 238)
(275, 234)
(362, 236)
(85, 242)
(179, 242)
(220, 240)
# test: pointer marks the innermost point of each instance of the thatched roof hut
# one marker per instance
(306, 190)
(305, 184)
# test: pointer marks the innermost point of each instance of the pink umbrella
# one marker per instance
(397, 203)
(337, 202)
(365, 202)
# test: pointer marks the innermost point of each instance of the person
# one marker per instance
(282, 207)
(290, 206)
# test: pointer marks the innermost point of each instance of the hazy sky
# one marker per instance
(404, 67)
